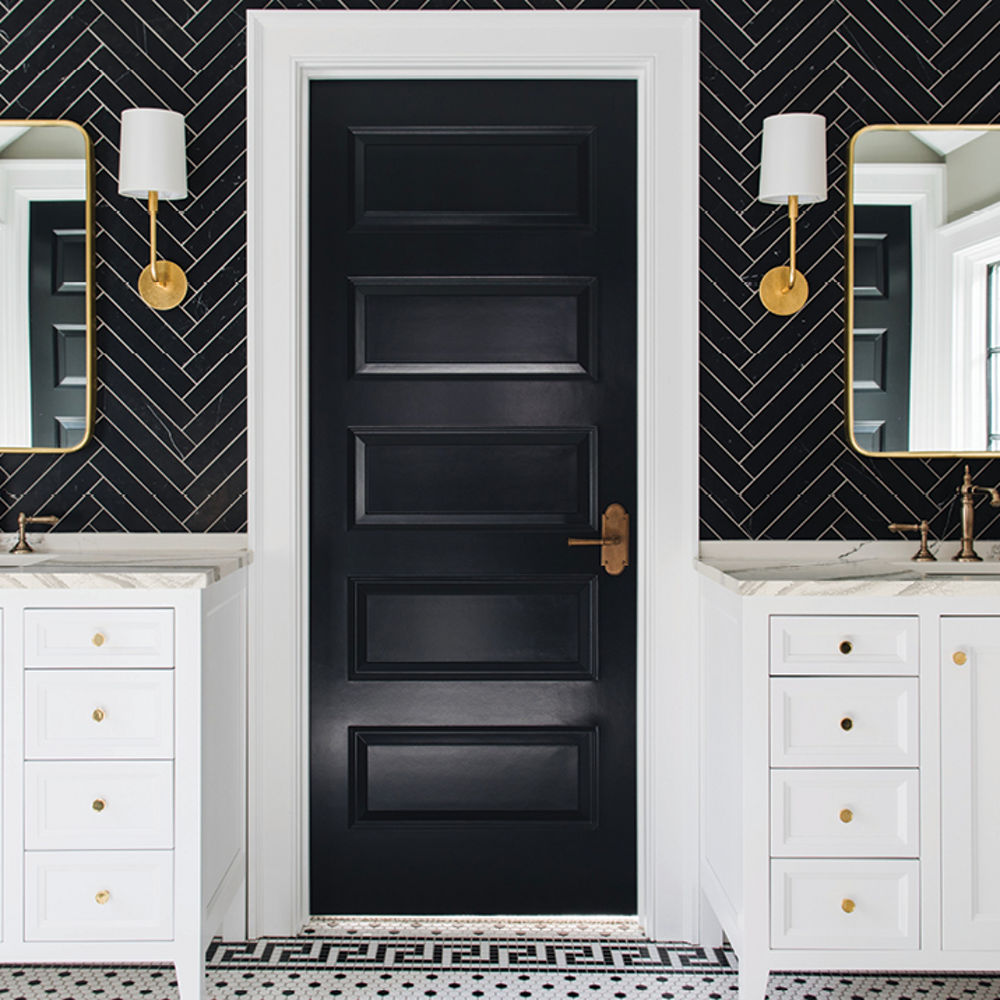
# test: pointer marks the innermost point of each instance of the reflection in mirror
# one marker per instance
(45, 330)
(923, 304)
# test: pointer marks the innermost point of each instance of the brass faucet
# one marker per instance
(22, 547)
(924, 554)
(968, 491)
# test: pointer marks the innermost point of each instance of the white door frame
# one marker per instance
(659, 50)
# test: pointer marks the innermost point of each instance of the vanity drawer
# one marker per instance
(98, 713)
(840, 645)
(99, 805)
(844, 722)
(856, 813)
(845, 904)
(99, 637)
(62, 893)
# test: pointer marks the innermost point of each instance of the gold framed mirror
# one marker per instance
(922, 351)
(47, 343)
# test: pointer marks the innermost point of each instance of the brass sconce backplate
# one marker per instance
(778, 296)
(166, 292)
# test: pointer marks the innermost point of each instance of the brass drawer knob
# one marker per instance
(847, 905)
(847, 723)
(99, 805)
(102, 897)
(98, 639)
(846, 815)
(97, 715)
(960, 658)
(846, 646)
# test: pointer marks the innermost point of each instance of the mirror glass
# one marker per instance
(46, 286)
(923, 279)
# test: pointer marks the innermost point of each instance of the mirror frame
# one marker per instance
(849, 298)
(91, 344)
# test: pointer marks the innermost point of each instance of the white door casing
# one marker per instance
(659, 50)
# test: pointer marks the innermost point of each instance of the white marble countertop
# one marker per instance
(845, 569)
(124, 569)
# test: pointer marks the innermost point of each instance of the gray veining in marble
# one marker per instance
(118, 571)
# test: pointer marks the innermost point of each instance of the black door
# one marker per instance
(57, 297)
(882, 308)
(472, 381)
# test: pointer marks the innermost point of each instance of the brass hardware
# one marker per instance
(960, 658)
(162, 283)
(21, 547)
(967, 491)
(98, 639)
(103, 896)
(847, 723)
(924, 554)
(847, 905)
(99, 805)
(613, 540)
(846, 646)
(97, 715)
(846, 815)
(783, 290)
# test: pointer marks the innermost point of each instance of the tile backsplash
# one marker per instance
(169, 451)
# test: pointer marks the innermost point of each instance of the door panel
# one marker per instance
(472, 380)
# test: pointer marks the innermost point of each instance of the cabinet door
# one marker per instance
(970, 779)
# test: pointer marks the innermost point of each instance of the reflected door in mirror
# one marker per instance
(882, 295)
(57, 298)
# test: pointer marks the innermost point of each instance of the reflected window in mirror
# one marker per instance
(993, 355)
(923, 232)
(46, 286)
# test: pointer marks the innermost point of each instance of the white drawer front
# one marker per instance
(62, 709)
(844, 722)
(99, 637)
(100, 805)
(62, 891)
(845, 814)
(810, 901)
(841, 645)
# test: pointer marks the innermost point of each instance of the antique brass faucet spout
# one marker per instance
(968, 491)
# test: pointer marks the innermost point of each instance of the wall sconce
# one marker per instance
(792, 167)
(153, 164)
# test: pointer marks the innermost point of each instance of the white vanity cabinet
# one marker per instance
(851, 774)
(123, 769)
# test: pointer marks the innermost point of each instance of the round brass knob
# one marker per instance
(103, 896)
(98, 639)
(846, 815)
(847, 723)
(847, 905)
(97, 715)
(960, 658)
(99, 805)
(846, 646)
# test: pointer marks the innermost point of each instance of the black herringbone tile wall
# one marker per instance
(169, 452)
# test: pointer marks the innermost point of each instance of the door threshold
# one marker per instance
(588, 928)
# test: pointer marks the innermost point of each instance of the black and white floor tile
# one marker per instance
(408, 966)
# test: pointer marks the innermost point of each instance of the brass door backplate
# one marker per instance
(613, 540)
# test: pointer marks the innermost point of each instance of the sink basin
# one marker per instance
(8, 560)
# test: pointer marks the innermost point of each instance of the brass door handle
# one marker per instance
(613, 540)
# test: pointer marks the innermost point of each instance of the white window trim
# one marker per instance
(922, 187)
(658, 49)
(21, 183)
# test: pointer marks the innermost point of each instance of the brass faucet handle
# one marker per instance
(924, 554)
(21, 547)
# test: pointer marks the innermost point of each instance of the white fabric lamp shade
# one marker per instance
(153, 154)
(793, 159)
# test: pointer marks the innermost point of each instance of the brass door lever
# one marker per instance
(613, 540)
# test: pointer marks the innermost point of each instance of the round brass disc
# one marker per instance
(166, 293)
(778, 297)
